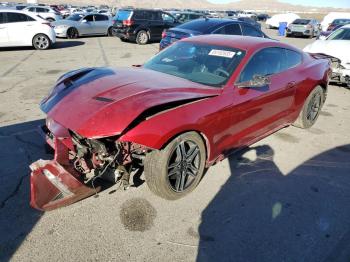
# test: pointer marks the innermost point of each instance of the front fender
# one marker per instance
(200, 116)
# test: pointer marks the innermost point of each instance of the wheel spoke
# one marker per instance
(192, 154)
(193, 170)
(182, 180)
(173, 172)
(183, 150)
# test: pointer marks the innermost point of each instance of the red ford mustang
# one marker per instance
(186, 108)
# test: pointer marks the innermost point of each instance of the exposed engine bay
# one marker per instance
(106, 158)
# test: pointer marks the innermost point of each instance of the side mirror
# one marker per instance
(256, 82)
(84, 21)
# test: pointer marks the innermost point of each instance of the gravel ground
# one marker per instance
(286, 198)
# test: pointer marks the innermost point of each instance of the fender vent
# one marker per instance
(103, 99)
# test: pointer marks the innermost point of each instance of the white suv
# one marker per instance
(45, 12)
(18, 28)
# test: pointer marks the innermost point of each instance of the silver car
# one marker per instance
(83, 24)
(303, 27)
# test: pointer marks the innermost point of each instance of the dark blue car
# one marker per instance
(206, 26)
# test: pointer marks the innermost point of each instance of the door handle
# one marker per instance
(291, 84)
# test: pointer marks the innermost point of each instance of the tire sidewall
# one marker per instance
(163, 157)
(35, 46)
(306, 123)
(138, 35)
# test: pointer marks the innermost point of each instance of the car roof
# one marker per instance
(211, 23)
(13, 11)
(246, 43)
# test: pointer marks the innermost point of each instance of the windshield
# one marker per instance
(341, 21)
(75, 17)
(122, 15)
(340, 34)
(301, 22)
(200, 63)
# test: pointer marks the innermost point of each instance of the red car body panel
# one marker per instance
(132, 105)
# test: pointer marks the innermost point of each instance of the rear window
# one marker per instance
(301, 21)
(200, 25)
(123, 15)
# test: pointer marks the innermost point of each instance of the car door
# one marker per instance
(101, 24)
(258, 111)
(3, 30)
(156, 24)
(86, 26)
(19, 27)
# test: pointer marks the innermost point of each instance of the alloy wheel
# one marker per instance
(183, 165)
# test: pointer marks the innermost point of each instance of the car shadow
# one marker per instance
(20, 145)
(261, 214)
(57, 45)
(67, 44)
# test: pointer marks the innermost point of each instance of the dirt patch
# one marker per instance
(126, 55)
(287, 137)
(323, 113)
(137, 214)
(53, 72)
(316, 131)
(331, 105)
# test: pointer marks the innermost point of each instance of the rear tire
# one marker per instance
(311, 109)
(72, 33)
(41, 42)
(176, 170)
(142, 37)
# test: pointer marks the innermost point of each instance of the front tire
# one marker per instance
(176, 170)
(41, 42)
(311, 109)
(142, 37)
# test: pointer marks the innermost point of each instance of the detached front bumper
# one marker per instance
(52, 186)
(55, 183)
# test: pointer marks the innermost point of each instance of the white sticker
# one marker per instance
(222, 53)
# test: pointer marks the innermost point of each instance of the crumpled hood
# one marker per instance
(335, 48)
(101, 102)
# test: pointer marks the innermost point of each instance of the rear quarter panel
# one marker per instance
(315, 72)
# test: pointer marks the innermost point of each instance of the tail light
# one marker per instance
(330, 27)
(163, 34)
(128, 22)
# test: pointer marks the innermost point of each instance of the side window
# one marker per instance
(293, 59)
(2, 18)
(32, 9)
(156, 16)
(265, 62)
(42, 10)
(89, 18)
(18, 17)
(101, 18)
(140, 15)
(250, 31)
(167, 18)
(232, 29)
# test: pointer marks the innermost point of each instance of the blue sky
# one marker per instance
(318, 3)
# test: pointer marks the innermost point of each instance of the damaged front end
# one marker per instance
(78, 163)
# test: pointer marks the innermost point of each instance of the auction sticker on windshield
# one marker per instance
(222, 53)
